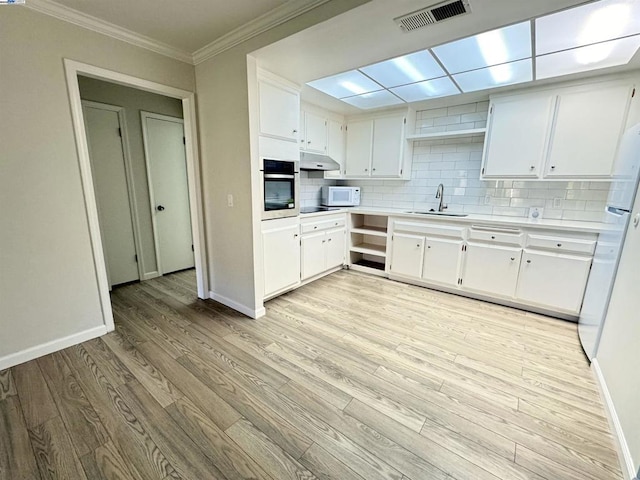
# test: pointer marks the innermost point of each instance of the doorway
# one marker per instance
(75, 69)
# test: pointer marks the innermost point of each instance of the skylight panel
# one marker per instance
(383, 98)
(345, 84)
(440, 87)
(495, 76)
(411, 68)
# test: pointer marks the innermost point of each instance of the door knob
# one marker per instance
(160, 208)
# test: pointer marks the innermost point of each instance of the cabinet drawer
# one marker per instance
(500, 236)
(429, 229)
(323, 223)
(561, 244)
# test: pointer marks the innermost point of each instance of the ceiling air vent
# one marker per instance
(433, 14)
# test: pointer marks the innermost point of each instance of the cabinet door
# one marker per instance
(587, 129)
(441, 260)
(336, 248)
(281, 250)
(313, 254)
(335, 147)
(491, 269)
(359, 138)
(517, 134)
(315, 133)
(279, 111)
(407, 254)
(388, 140)
(553, 280)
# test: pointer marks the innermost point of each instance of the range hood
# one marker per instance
(314, 161)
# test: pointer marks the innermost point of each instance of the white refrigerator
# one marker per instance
(607, 255)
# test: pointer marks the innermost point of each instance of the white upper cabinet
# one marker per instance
(558, 133)
(359, 148)
(279, 110)
(586, 130)
(377, 147)
(335, 147)
(314, 137)
(517, 134)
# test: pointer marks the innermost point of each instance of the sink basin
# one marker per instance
(443, 214)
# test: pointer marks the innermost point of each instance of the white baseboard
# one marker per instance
(624, 455)
(150, 275)
(50, 347)
(249, 312)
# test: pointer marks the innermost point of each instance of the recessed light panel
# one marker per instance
(383, 98)
(592, 23)
(584, 59)
(496, 76)
(486, 49)
(440, 87)
(345, 84)
(412, 68)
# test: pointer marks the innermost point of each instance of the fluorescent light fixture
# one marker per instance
(411, 68)
(588, 24)
(486, 49)
(383, 98)
(345, 84)
(591, 57)
(440, 87)
(496, 76)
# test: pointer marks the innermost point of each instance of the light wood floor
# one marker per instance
(351, 377)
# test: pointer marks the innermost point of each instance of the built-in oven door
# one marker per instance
(280, 189)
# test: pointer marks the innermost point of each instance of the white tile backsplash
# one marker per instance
(311, 183)
(456, 164)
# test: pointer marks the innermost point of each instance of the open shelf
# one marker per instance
(451, 134)
(370, 230)
(370, 248)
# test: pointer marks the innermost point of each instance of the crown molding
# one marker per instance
(92, 23)
(269, 20)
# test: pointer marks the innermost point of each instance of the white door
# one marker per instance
(407, 254)
(313, 254)
(111, 189)
(388, 139)
(281, 253)
(315, 133)
(441, 261)
(587, 130)
(335, 147)
(517, 123)
(359, 139)
(492, 269)
(336, 248)
(169, 191)
(541, 282)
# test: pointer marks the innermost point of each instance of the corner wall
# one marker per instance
(48, 284)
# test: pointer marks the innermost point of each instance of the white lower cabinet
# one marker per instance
(281, 254)
(553, 280)
(407, 254)
(336, 248)
(313, 254)
(491, 269)
(442, 260)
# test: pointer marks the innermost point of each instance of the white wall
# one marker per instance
(230, 164)
(134, 101)
(48, 286)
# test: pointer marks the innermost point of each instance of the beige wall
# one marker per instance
(227, 160)
(48, 286)
(134, 101)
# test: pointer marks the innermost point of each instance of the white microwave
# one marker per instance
(340, 196)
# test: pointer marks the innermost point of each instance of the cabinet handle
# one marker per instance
(428, 246)
(323, 241)
(374, 169)
(295, 235)
(309, 142)
(366, 169)
(493, 237)
(329, 240)
(513, 258)
(559, 244)
(553, 167)
(532, 167)
(315, 227)
(528, 261)
(418, 245)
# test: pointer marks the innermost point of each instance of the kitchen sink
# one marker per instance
(443, 214)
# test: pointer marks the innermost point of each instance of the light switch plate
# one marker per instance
(535, 213)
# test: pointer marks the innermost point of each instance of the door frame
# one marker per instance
(145, 141)
(72, 70)
(128, 169)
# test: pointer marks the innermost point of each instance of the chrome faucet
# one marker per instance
(440, 194)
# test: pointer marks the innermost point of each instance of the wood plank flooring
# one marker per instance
(350, 378)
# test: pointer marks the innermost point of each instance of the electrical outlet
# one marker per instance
(557, 202)
(535, 213)
(487, 199)
(229, 200)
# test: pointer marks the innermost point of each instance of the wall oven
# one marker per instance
(280, 188)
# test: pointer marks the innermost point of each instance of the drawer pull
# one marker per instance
(513, 258)
(559, 244)
(528, 261)
(493, 237)
(315, 227)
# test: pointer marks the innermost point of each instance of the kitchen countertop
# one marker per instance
(497, 220)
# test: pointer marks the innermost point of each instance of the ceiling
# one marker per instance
(368, 34)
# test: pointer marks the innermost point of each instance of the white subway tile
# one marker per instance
(448, 120)
(474, 117)
(460, 109)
